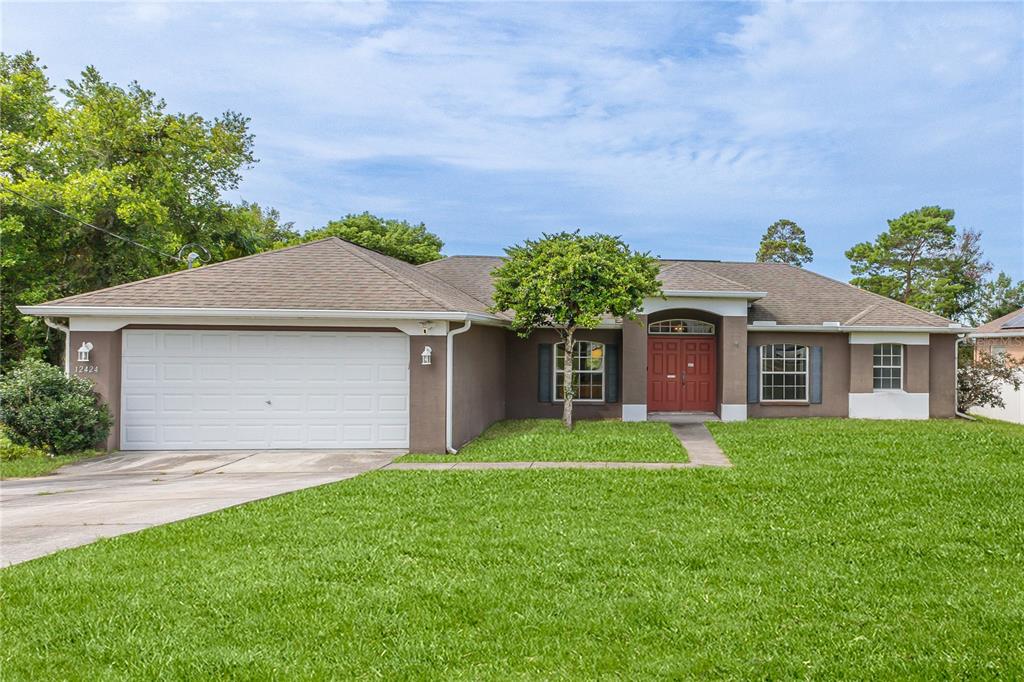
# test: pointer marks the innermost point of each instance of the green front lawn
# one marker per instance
(547, 440)
(833, 549)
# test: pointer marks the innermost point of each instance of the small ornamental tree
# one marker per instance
(979, 382)
(568, 281)
(41, 407)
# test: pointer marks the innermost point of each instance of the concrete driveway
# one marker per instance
(128, 491)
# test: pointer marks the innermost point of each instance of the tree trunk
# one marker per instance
(568, 376)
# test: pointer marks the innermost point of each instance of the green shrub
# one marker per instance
(9, 452)
(41, 407)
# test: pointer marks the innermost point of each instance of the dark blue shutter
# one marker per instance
(545, 372)
(815, 378)
(753, 374)
(611, 374)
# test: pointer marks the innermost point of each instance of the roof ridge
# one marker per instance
(862, 313)
(344, 245)
(166, 275)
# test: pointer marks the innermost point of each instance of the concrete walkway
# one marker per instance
(701, 445)
(126, 492)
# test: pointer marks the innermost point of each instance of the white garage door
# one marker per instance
(185, 390)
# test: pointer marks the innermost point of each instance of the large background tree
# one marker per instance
(568, 281)
(922, 260)
(785, 242)
(397, 238)
(998, 297)
(115, 158)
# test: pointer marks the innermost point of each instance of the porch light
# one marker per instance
(425, 355)
(83, 351)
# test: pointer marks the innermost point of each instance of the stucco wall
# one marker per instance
(942, 377)
(732, 354)
(835, 375)
(1013, 346)
(916, 369)
(105, 359)
(427, 400)
(634, 361)
(478, 381)
(521, 378)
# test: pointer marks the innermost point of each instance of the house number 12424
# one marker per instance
(87, 369)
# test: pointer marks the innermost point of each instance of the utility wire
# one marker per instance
(100, 229)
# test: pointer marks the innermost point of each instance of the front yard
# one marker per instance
(832, 549)
(21, 461)
(547, 440)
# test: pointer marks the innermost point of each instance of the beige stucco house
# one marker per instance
(1003, 336)
(330, 345)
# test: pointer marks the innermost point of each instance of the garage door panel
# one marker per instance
(392, 373)
(326, 390)
(179, 344)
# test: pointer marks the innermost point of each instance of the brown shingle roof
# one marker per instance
(1008, 322)
(793, 295)
(332, 274)
(328, 274)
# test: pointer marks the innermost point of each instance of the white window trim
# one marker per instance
(903, 364)
(807, 376)
(555, 372)
(685, 333)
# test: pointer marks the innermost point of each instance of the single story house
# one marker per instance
(331, 345)
(1003, 336)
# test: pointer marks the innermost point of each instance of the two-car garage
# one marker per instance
(186, 389)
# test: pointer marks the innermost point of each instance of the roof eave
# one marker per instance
(685, 293)
(846, 329)
(260, 313)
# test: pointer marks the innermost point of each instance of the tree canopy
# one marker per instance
(999, 297)
(785, 242)
(397, 238)
(116, 158)
(569, 281)
(922, 260)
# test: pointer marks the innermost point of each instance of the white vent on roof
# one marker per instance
(829, 324)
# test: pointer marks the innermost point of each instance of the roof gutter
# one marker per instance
(449, 381)
(67, 342)
(845, 329)
(748, 295)
(998, 335)
(285, 313)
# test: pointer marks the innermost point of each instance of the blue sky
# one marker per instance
(685, 127)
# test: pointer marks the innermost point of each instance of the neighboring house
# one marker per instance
(330, 345)
(1003, 336)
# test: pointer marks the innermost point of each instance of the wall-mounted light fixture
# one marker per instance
(425, 355)
(83, 351)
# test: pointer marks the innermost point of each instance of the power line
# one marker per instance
(100, 229)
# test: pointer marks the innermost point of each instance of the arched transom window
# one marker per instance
(681, 326)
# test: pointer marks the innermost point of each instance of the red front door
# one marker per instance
(681, 374)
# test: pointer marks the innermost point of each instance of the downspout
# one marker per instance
(67, 342)
(956, 382)
(449, 381)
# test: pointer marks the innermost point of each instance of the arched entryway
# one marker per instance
(682, 364)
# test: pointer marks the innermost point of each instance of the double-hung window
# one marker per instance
(784, 372)
(888, 366)
(588, 370)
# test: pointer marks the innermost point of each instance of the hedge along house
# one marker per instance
(330, 345)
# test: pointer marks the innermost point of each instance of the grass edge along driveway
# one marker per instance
(834, 549)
